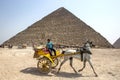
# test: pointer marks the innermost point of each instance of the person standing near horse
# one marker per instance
(49, 46)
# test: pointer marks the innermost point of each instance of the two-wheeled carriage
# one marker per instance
(45, 61)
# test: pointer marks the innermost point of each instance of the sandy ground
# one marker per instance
(19, 64)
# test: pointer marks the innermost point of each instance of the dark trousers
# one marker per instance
(50, 50)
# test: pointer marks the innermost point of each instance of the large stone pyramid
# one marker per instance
(63, 28)
(117, 43)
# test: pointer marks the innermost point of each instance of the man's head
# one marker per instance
(48, 40)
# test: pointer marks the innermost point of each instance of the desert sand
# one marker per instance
(19, 64)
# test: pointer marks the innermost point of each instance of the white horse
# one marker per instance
(83, 52)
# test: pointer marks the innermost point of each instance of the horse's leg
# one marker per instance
(92, 68)
(84, 65)
(62, 64)
(71, 61)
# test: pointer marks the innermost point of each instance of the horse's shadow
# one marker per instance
(35, 71)
(68, 75)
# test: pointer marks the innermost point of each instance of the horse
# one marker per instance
(83, 52)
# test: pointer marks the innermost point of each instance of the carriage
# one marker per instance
(47, 62)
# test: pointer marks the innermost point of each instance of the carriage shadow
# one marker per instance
(35, 71)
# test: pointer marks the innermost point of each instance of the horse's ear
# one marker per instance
(93, 45)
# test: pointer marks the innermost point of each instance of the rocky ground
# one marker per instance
(19, 64)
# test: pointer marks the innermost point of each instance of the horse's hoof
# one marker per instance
(96, 75)
(76, 73)
(57, 72)
(79, 70)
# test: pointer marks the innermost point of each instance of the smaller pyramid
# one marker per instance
(117, 43)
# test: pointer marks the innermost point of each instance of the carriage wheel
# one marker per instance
(44, 65)
(56, 62)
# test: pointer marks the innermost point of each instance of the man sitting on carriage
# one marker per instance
(50, 48)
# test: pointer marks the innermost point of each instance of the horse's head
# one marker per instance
(89, 44)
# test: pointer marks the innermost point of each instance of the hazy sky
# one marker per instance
(102, 15)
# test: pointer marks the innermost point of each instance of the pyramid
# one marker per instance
(63, 28)
(117, 43)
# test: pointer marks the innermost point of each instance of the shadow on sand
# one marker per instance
(68, 75)
(34, 71)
